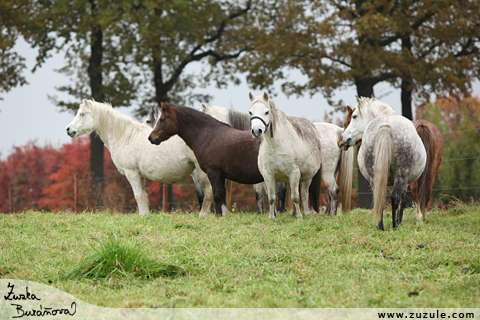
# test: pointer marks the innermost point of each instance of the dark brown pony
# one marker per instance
(222, 151)
(433, 141)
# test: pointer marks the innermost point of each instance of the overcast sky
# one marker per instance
(26, 114)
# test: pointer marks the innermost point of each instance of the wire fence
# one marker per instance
(76, 194)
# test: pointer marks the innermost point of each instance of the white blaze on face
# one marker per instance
(259, 112)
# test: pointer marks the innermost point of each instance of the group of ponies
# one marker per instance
(267, 148)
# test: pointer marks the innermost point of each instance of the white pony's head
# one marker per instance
(218, 113)
(152, 117)
(83, 122)
(260, 112)
(355, 129)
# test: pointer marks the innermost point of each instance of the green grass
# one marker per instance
(246, 260)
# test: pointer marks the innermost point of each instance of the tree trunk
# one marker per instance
(365, 196)
(96, 144)
(407, 84)
(406, 96)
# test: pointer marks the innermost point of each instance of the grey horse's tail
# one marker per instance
(346, 174)
(198, 187)
(383, 157)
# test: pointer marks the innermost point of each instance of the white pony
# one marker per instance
(392, 153)
(289, 151)
(335, 161)
(132, 153)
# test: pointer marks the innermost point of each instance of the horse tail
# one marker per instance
(383, 157)
(314, 191)
(346, 174)
(198, 186)
(423, 188)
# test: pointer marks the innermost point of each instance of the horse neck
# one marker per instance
(113, 127)
(281, 127)
(194, 127)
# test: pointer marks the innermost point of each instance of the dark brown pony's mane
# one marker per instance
(197, 113)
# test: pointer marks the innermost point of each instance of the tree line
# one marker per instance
(128, 51)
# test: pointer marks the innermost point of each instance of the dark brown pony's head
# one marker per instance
(166, 125)
(346, 122)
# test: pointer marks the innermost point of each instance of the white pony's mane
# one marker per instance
(375, 105)
(118, 125)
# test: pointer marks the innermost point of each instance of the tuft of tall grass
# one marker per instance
(112, 258)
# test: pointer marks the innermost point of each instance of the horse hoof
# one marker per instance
(299, 218)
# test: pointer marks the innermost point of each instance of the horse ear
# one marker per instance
(165, 107)
(204, 107)
(250, 96)
(265, 96)
(349, 110)
(358, 99)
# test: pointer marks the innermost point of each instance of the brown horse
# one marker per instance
(433, 141)
(222, 151)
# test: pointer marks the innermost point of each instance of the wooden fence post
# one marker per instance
(165, 197)
(75, 193)
(10, 200)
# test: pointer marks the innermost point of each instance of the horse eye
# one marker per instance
(250, 112)
(148, 121)
(267, 112)
(353, 117)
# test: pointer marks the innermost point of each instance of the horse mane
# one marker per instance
(238, 120)
(199, 113)
(379, 105)
(118, 124)
(294, 121)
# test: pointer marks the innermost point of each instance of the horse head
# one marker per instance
(83, 123)
(348, 118)
(261, 115)
(166, 125)
(358, 122)
(152, 116)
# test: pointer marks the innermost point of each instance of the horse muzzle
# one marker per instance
(71, 133)
(257, 133)
(155, 141)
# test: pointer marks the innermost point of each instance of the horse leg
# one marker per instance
(333, 190)
(258, 189)
(304, 197)
(294, 180)
(207, 194)
(138, 187)
(272, 194)
(281, 194)
(398, 193)
(218, 186)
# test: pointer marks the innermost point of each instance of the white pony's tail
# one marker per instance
(346, 174)
(383, 157)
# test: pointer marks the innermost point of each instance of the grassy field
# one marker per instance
(246, 260)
